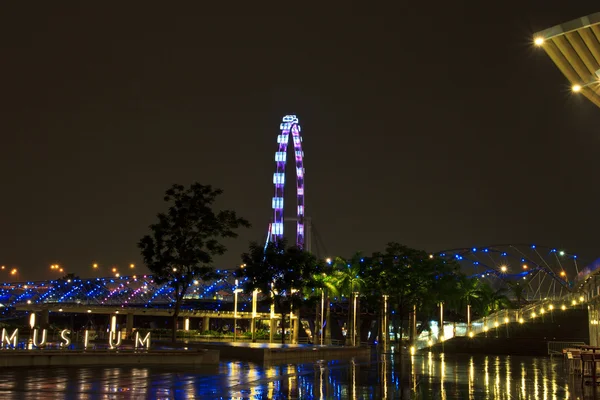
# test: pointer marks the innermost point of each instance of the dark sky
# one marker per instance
(434, 126)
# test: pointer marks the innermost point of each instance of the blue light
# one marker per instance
(533, 246)
(474, 250)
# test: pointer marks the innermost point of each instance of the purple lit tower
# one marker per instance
(288, 125)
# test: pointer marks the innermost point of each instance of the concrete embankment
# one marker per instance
(67, 358)
(274, 354)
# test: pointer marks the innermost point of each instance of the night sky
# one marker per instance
(436, 127)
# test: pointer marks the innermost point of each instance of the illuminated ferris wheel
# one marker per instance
(288, 125)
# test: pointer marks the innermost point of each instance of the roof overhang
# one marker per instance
(575, 49)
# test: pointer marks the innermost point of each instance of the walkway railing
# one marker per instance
(555, 348)
(521, 315)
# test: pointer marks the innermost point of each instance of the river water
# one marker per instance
(424, 376)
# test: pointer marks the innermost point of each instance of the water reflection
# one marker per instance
(386, 376)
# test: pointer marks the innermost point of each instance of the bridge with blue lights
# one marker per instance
(546, 271)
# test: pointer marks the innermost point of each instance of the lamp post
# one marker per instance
(322, 316)
(441, 329)
(235, 308)
(354, 322)
(468, 318)
(254, 295)
(385, 322)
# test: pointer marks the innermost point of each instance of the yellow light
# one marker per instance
(328, 260)
(174, 269)
(532, 315)
(14, 271)
(131, 266)
(3, 267)
(503, 268)
(576, 88)
(524, 266)
(117, 275)
(89, 311)
(496, 324)
(563, 273)
(581, 298)
(563, 307)
(61, 270)
(471, 334)
(430, 342)
(412, 350)
(551, 307)
(506, 320)
(573, 302)
(135, 277)
(431, 256)
(485, 328)
(538, 41)
(95, 265)
(521, 320)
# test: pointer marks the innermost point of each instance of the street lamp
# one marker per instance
(385, 321)
(254, 296)
(322, 316)
(235, 308)
(354, 323)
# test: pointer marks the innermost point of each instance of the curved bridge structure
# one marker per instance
(546, 271)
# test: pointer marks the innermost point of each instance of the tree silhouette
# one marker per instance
(281, 271)
(184, 241)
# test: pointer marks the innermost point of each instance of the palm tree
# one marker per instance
(349, 280)
(518, 292)
(326, 286)
(493, 300)
(470, 292)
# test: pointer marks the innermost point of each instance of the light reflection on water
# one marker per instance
(423, 376)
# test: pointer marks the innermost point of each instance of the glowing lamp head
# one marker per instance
(538, 41)
(503, 268)
(576, 88)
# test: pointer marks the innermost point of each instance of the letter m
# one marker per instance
(10, 340)
(145, 342)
